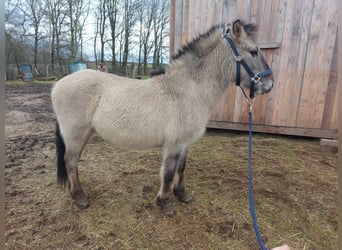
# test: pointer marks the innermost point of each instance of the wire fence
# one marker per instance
(57, 71)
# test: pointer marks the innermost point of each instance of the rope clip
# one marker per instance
(238, 58)
(250, 103)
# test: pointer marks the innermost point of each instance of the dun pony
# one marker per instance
(169, 111)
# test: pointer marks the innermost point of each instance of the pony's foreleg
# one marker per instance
(178, 188)
(167, 173)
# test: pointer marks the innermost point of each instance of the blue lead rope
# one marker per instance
(250, 184)
(254, 79)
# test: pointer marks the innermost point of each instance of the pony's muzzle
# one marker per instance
(263, 87)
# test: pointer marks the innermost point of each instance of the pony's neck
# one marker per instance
(216, 73)
(208, 71)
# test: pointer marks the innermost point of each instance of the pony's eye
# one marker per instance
(254, 53)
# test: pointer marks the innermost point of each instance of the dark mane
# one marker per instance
(191, 46)
(250, 28)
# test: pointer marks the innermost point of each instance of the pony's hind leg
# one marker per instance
(74, 186)
(167, 173)
(178, 187)
(74, 145)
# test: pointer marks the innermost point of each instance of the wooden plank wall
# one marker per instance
(304, 98)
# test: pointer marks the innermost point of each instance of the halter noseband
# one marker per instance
(239, 60)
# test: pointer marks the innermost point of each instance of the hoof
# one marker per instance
(165, 207)
(169, 212)
(187, 198)
(82, 204)
(183, 196)
(81, 200)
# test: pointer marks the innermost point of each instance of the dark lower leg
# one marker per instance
(178, 188)
(77, 193)
(75, 189)
(166, 176)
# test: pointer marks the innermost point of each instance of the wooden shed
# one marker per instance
(299, 41)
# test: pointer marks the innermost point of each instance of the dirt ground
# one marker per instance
(295, 190)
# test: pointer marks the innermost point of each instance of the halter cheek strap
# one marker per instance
(240, 61)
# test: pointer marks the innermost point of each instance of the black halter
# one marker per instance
(239, 60)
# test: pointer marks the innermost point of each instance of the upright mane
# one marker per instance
(205, 42)
(202, 44)
(250, 28)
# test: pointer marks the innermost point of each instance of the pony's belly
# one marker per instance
(140, 139)
(131, 139)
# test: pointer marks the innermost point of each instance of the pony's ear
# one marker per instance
(237, 28)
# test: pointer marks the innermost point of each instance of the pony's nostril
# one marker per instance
(270, 84)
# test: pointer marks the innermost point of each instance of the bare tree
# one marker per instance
(38, 10)
(34, 10)
(113, 12)
(101, 17)
(56, 13)
(78, 11)
(60, 24)
(160, 28)
(141, 17)
(11, 6)
(95, 40)
(15, 32)
(145, 38)
(15, 49)
(129, 20)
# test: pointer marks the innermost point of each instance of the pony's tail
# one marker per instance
(62, 175)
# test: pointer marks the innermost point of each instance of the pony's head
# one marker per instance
(252, 69)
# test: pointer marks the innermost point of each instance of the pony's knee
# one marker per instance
(168, 169)
(169, 174)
